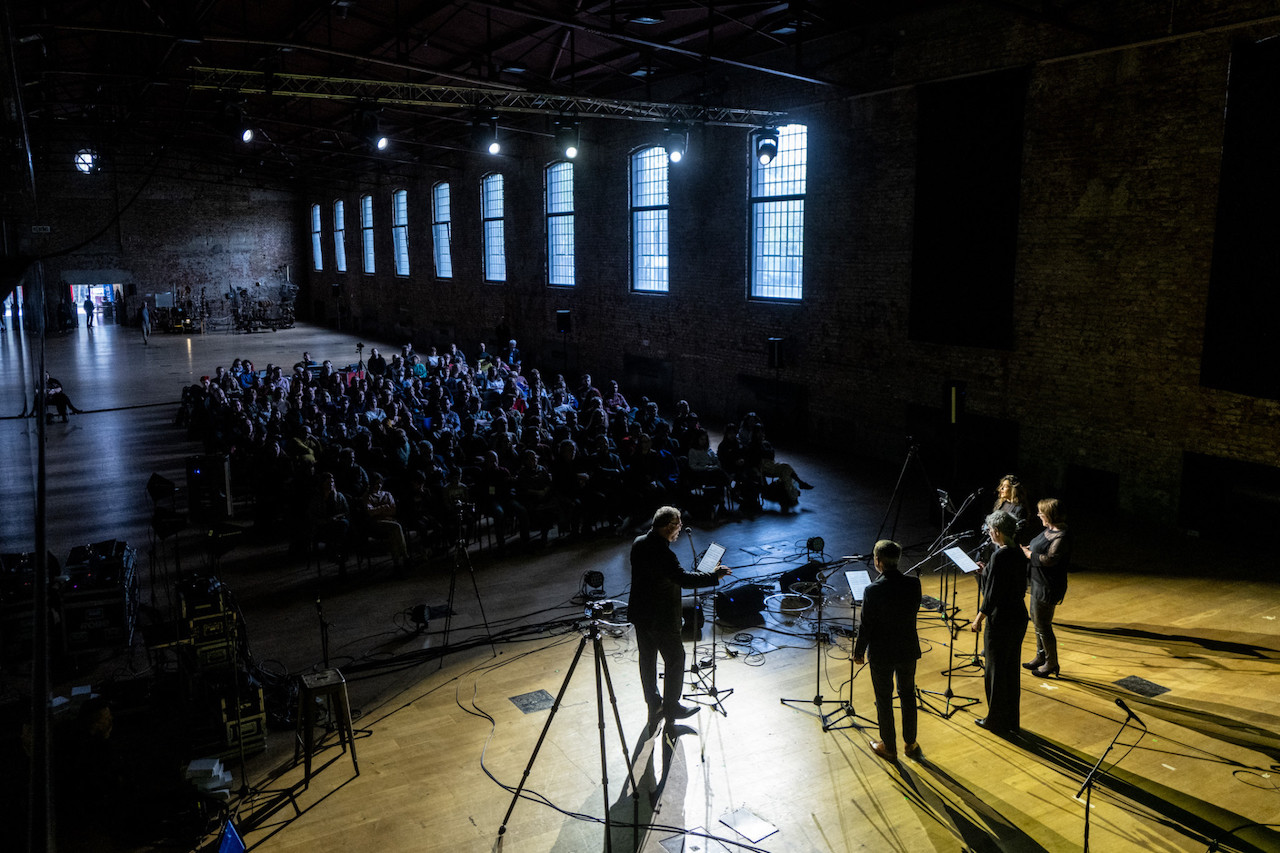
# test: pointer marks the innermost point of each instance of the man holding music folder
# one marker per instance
(888, 634)
(654, 608)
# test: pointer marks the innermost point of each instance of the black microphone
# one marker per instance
(1132, 716)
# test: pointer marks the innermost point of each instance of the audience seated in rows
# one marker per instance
(419, 449)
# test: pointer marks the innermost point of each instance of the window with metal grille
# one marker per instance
(491, 213)
(777, 217)
(317, 257)
(366, 231)
(340, 235)
(400, 230)
(649, 221)
(560, 225)
(440, 230)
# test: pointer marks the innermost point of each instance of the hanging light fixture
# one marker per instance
(677, 140)
(567, 137)
(369, 129)
(494, 146)
(86, 161)
(766, 145)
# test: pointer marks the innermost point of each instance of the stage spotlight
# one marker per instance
(567, 138)
(677, 142)
(592, 585)
(87, 161)
(369, 129)
(246, 135)
(766, 145)
(420, 617)
(494, 146)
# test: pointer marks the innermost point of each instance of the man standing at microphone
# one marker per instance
(888, 633)
(654, 608)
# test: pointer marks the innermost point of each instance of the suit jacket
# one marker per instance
(656, 582)
(888, 628)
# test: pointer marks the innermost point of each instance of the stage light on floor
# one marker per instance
(592, 586)
(420, 617)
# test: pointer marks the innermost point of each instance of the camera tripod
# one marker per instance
(461, 559)
(590, 631)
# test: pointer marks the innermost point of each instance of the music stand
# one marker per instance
(858, 583)
(952, 702)
(817, 589)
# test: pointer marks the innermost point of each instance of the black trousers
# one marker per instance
(1002, 645)
(882, 678)
(651, 642)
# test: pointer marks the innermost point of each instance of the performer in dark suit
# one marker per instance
(1003, 611)
(655, 611)
(888, 632)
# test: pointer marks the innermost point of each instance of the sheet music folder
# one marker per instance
(961, 559)
(711, 558)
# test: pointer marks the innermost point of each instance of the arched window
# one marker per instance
(491, 212)
(366, 232)
(340, 235)
(560, 225)
(440, 230)
(317, 257)
(777, 217)
(649, 221)
(400, 230)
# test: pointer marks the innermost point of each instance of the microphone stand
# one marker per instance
(1087, 787)
(708, 691)
(952, 702)
(847, 716)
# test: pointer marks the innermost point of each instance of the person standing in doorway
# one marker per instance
(88, 312)
(146, 323)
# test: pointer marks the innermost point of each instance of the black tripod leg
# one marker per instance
(483, 618)
(554, 707)
(602, 665)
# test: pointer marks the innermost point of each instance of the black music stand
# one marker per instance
(847, 717)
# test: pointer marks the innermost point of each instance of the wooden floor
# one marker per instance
(441, 748)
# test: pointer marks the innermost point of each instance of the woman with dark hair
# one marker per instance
(1011, 497)
(1004, 583)
(1050, 555)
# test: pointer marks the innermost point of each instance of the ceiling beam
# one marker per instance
(470, 97)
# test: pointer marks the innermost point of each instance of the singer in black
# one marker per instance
(654, 607)
(1004, 615)
(888, 633)
(1050, 554)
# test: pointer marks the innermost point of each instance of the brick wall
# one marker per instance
(1121, 152)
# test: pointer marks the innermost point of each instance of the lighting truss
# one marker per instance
(246, 82)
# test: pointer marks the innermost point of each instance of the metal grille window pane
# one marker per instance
(560, 225)
(777, 218)
(340, 235)
(649, 262)
(440, 230)
(400, 230)
(317, 258)
(366, 231)
(491, 211)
